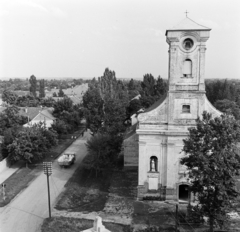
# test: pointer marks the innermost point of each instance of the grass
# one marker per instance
(20, 180)
(63, 224)
(17, 182)
(85, 192)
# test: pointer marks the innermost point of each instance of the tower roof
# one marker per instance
(188, 24)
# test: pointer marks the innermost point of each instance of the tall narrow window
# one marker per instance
(187, 68)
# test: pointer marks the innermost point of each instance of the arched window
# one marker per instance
(153, 164)
(187, 68)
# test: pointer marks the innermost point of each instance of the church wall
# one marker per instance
(174, 152)
(131, 151)
(149, 145)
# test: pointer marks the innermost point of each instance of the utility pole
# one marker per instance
(47, 169)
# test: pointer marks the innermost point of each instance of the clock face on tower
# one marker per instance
(188, 44)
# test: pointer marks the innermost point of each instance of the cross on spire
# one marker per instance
(186, 13)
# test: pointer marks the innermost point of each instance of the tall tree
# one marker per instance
(160, 87)
(212, 161)
(148, 85)
(114, 116)
(61, 93)
(33, 85)
(41, 88)
(93, 106)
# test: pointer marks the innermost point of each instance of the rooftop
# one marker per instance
(188, 24)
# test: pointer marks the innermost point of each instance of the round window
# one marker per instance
(187, 44)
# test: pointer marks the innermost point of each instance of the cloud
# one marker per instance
(58, 12)
(209, 23)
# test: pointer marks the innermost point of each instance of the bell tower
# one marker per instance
(187, 46)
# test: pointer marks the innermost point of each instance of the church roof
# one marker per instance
(156, 104)
(188, 24)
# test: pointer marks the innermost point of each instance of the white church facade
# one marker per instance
(162, 128)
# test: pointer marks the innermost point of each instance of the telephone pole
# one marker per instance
(47, 169)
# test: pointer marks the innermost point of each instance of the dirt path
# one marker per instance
(28, 210)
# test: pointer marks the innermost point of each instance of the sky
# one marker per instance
(80, 38)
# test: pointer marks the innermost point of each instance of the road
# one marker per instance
(28, 210)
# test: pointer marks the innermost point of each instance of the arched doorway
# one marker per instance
(183, 193)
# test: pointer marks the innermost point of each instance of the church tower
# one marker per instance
(162, 127)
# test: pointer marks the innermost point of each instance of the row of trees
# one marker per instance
(19, 84)
(225, 96)
(10, 97)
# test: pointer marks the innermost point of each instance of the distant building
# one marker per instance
(75, 94)
(43, 115)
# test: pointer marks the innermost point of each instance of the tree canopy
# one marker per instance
(212, 162)
(33, 85)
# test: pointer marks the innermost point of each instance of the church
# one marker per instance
(156, 145)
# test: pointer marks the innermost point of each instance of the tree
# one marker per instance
(33, 85)
(93, 109)
(212, 162)
(98, 156)
(62, 105)
(160, 87)
(41, 88)
(114, 116)
(10, 118)
(61, 93)
(30, 143)
(60, 127)
(229, 107)
(68, 114)
(102, 152)
(9, 97)
(148, 85)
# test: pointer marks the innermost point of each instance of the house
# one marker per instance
(75, 94)
(155, 148)
(43, 115)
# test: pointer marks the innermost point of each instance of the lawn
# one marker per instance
(17, 182)
(62, 224)
(85, 192)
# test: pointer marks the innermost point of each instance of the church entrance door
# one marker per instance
(183, 192)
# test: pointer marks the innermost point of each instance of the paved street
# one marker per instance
(28, 210)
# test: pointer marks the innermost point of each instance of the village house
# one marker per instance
(155, 147)
(36, 115)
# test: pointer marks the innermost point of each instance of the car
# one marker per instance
(67, 159)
